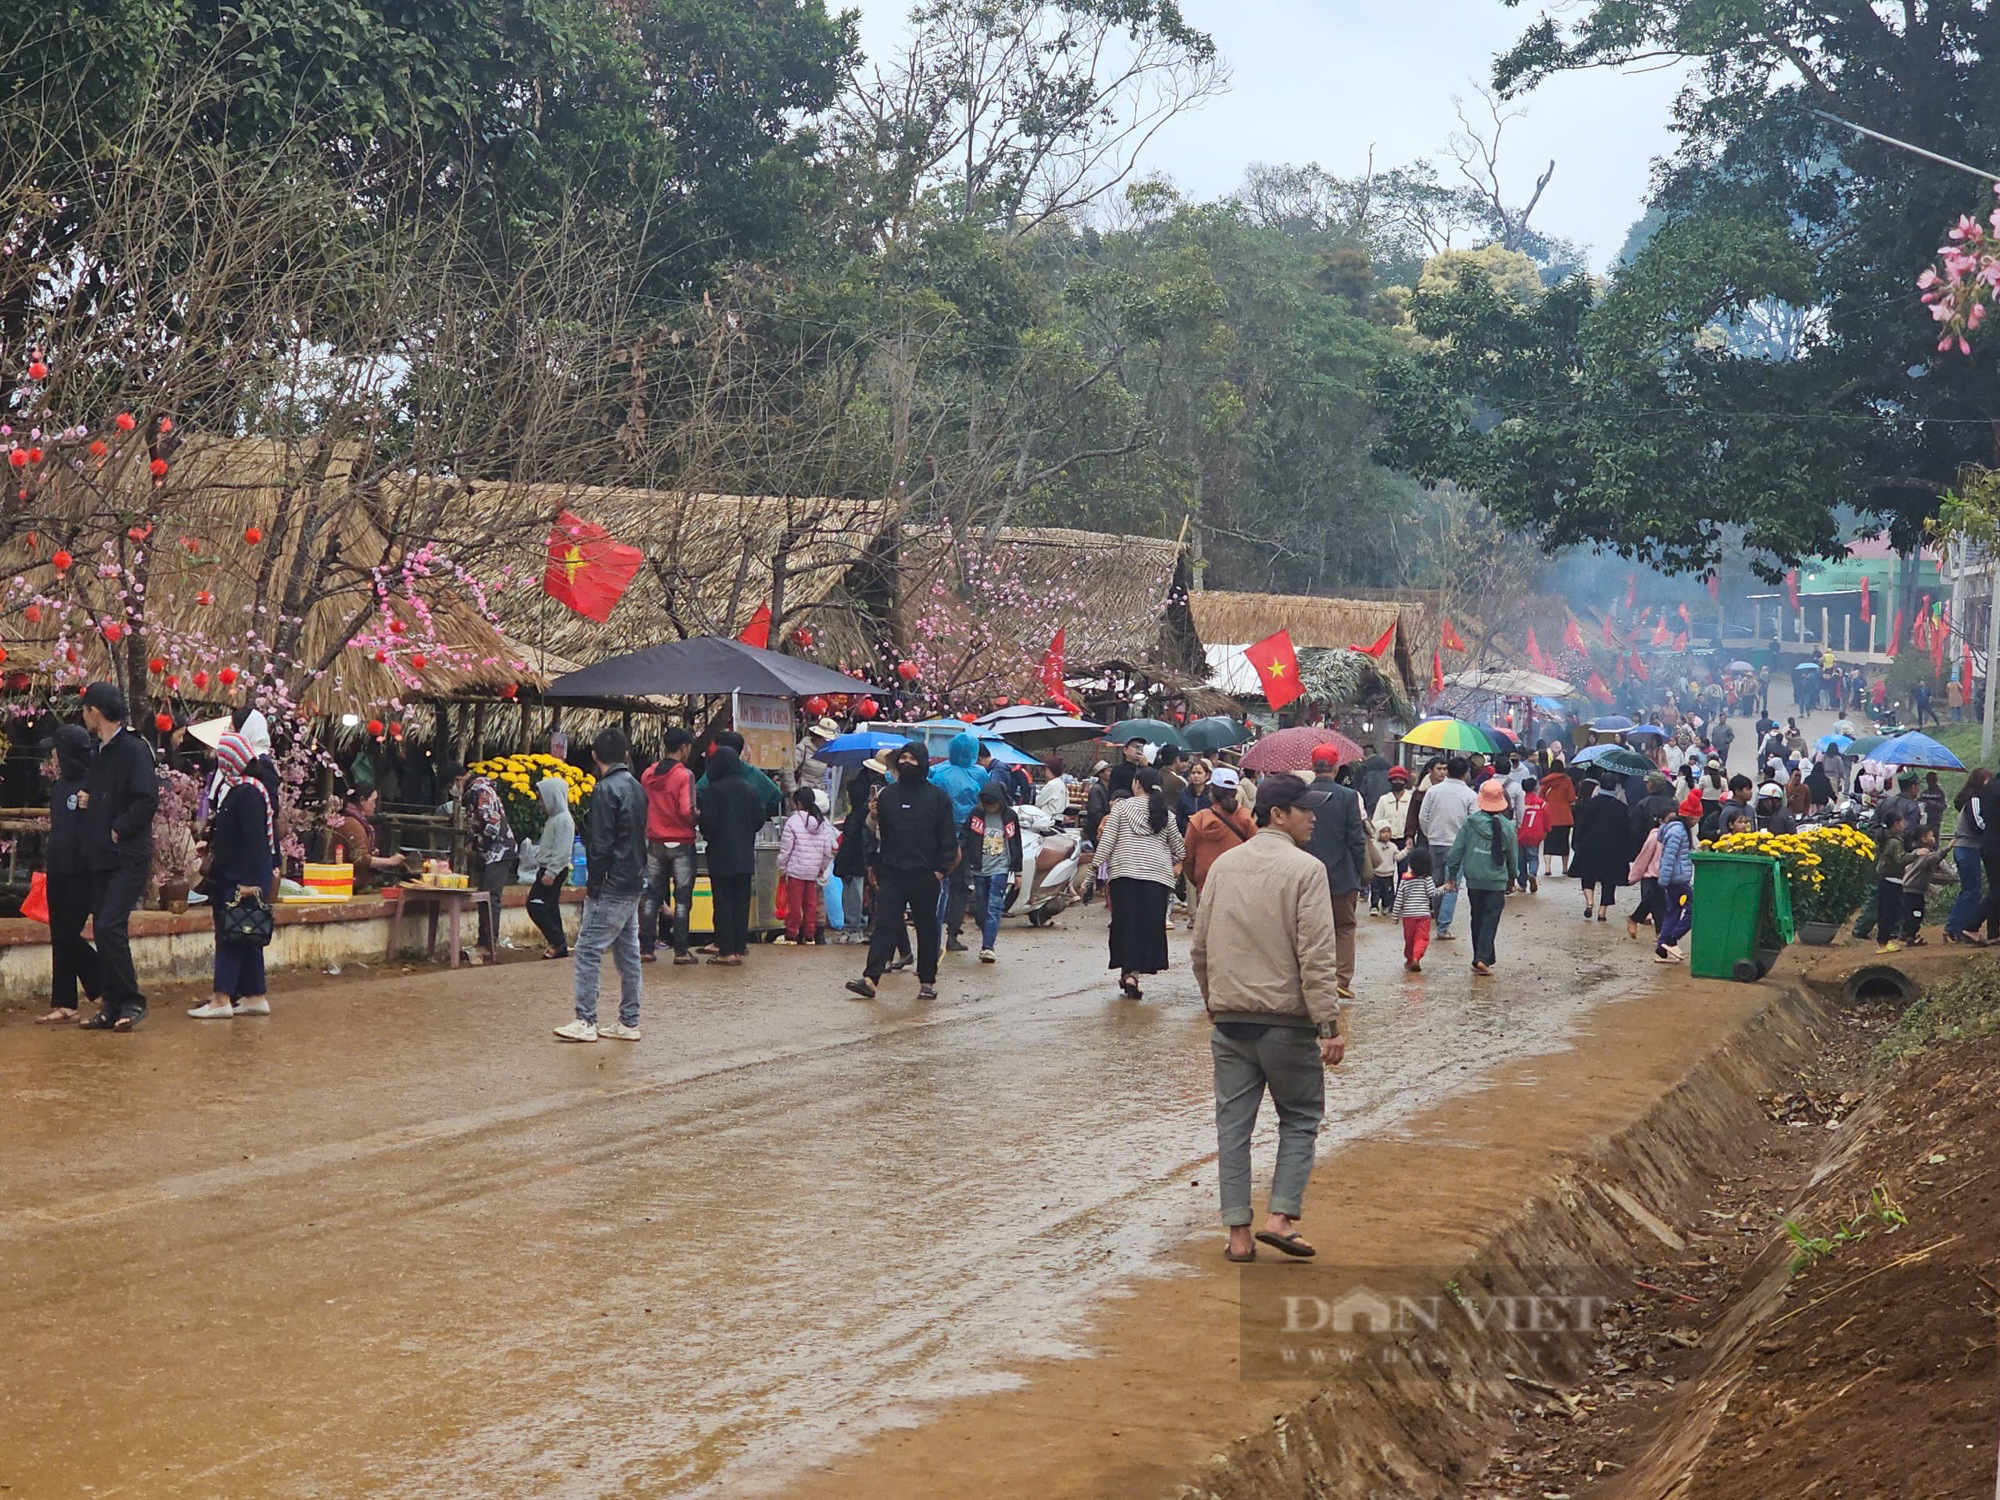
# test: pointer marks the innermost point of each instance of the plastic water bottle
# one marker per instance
(579, 865)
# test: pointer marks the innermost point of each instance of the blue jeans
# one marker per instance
(1447, 900)
(1966, 907)
(990, 899)
(608, 922)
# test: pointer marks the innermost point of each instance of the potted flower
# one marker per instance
(1827, 870)
(176, 865)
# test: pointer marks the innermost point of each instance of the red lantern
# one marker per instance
(18, 458)
(159, 468)
(907, 670)
(3, 653)
(98, 447)
(38, 371)
(17, 682)
(969, 718)
(166, 424)
(252, 535)
(34, 614)
(201, 679)
(417, 661)
(126, 421)
(204, 598)
(816, 706)
(114, 632)
(156, 666)
(227, 677)
(866, 709)
(34, 455)
(396, 627)
(375, 728)
(510, 691)
(163, 722)
(173, 682)
(840, 703)
(1002, 702)
(802, 638)
(62, 560)
(381, 655)
(395, 731)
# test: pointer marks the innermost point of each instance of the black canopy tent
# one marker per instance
(701, 666)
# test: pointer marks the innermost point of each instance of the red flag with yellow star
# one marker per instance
(1437, 673)
(588, 570)
(1277, 667)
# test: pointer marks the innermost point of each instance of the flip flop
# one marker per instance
(1292, 1244)
(1243, 1259)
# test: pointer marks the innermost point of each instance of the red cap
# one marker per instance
(1325, 757)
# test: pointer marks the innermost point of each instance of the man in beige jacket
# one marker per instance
(1265, 958)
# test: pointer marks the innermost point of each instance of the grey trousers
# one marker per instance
(1284, 1060)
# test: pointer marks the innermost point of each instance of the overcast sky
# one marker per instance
(1322, 80)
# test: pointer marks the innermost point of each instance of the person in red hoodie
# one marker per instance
(670, 835)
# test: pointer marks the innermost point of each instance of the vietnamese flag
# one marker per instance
(1714, 588)
(1965, 679)
(1375, 650)
(1573, 637)
(1684, 615)
(1535, 657)
(1596, 688)
(1792, 588)
(1610, 635)
(1277, 668)
(1896, 633)
(1053, 666)
(1618, 669)
(1437, 673)
(1681, 641)
(587, 570)
(1451, 640)
(1639, 669)
(1920, 631)
(758, 632)
(1867, 611)
(1660, 636)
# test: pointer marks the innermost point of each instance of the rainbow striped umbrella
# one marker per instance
(1443, 732)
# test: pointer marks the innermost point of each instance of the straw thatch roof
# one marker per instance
(180, 576)
(1231, 619)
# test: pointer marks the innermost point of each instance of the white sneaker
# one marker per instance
(259, 1006)
(617, 1031)
(212, 1010)
(576, 1031)
(987, 956)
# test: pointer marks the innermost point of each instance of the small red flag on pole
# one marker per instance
(1867, 610)
(1277, 668)
(1450, 638)
(1639, 669)
(1660, 635)
(1792, 588)
(758, 632)
(1573, 637)
(1437, 674)
(1054, 668)
(1714, 588)
(1380, 646)
(1596, 688)
(1535, 657)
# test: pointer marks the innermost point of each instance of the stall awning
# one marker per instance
(703, 665)
(1510, 682)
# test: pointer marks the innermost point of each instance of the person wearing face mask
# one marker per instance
(917, 833)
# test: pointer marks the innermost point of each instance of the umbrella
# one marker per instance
(1806, 666)
(1618, 759)
(939, 733)
(1442, 732)
(1652, 729)
(1217, 733)
(1839, 742)
(1503, 739)
(1005, 754)
(1552, 707)
(1866, 744)
(1155, 731)
(700, 665)
(853, 749)
(1036, 728)
(1291, 749)
(1741, 666)
(1611, 723)
(1915, 749)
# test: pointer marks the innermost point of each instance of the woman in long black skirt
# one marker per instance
(1140, 848)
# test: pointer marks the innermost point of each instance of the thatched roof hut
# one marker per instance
(1232, 619)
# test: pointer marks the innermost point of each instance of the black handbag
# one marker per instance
(248, 921)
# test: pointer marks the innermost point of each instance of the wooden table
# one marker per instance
(440, 899)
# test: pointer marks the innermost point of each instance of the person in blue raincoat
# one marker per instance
(958, 776)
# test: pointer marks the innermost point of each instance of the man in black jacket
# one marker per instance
(614, 844)
(731, 812)
(72, 961)
(1340, 842)
(919, 842)
(118, 798)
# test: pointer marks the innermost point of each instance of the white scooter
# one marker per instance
(1049, 853)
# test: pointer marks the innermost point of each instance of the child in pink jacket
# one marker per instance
(805, 855)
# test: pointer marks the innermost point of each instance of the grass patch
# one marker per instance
(1962, 1008)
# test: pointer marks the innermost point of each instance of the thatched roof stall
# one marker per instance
(710, 562)
(1238, 620)
(199, 583)
(977, 611)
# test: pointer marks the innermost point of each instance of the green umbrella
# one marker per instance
(1156, 731)
(1216, 733)
(1859, 748)
(1614, 758)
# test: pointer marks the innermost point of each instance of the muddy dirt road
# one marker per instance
(395, 1241)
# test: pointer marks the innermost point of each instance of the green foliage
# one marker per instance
(1962, 1007)
(1809, 1249)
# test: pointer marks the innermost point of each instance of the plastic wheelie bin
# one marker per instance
(1742, 914)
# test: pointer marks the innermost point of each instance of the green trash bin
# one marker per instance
(1742, 913)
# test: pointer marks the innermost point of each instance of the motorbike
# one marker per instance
(1049, 854)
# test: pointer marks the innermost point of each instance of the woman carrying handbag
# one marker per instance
(242, 845)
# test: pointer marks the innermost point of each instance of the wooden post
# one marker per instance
(477, 746)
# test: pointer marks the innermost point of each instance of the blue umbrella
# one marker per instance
(1552, 706)
(1611, 722)
(1652, 729)
(1834, 742)
(853, 749)
(1915, 749)
(1005, 754)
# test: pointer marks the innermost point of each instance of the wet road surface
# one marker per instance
(396, 1241)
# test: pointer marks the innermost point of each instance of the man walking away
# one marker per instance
(918, 838)
(72, 961)
(960, 778)
(118, 798)
(1486, 856)
(1340, 842)
(1265, 958)
(731, 813)
(1675, 877)
(554, 854)
(670, 835)
(1445, 808)
(614, 844)
(1215, 830)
